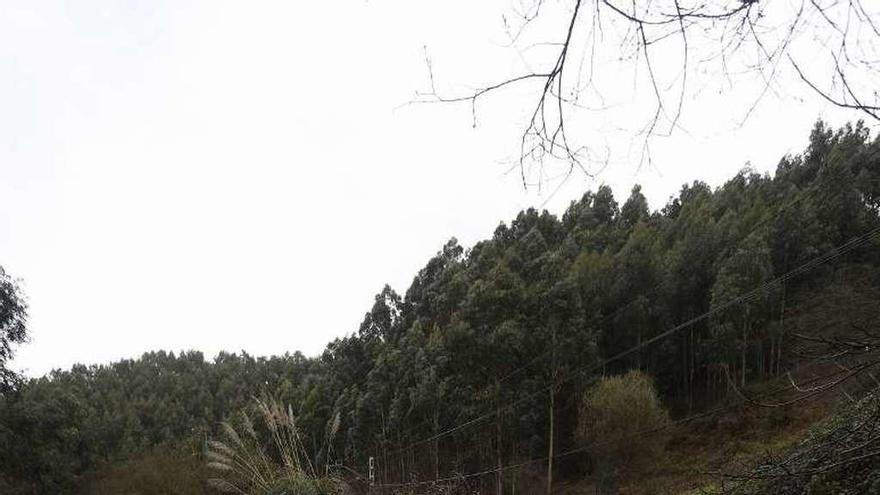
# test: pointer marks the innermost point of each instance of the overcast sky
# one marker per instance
(238, 175)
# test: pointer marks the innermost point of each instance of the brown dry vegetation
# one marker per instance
(734, 441)
(161, 471)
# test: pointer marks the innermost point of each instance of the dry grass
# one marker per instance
(733, 442)
(245, 464)
(159, 471)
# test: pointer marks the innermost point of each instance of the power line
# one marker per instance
(799, 197)
(754, 293)
(636, 434)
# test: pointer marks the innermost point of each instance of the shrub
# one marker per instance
(162, 470)
(621, 422)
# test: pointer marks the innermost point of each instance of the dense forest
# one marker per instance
(484, 361)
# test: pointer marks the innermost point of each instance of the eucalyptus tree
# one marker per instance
(13, 326)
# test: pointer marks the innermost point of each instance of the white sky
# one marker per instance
(234, 175)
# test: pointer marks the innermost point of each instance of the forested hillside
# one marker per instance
(484, 361)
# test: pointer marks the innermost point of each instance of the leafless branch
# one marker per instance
(742, 38)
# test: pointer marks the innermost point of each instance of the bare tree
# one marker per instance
(672, 51)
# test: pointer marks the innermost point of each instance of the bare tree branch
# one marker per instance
(742, 38)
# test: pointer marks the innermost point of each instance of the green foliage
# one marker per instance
(13, 329)
(76, 421)
(614, 416)
(836, 457)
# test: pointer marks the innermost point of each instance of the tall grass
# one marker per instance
(271, 462)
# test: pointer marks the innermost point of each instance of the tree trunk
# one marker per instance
(402, 460)
(552, 410)
(781, 332)
(639, 354)
(779, 354)
(743, 351)
(550, 449)
(684, 369)
(436, 444)
(499, 485)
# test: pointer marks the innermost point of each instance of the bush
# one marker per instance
(622, 423)
(160, 471)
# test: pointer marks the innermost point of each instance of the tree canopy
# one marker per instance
(13, 329)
